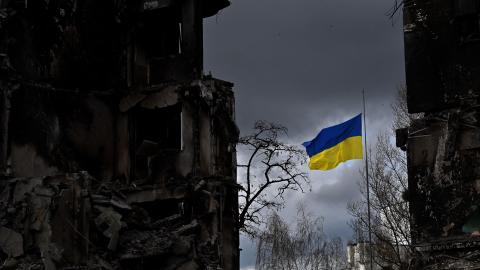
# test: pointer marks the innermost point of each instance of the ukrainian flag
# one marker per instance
(336, 144)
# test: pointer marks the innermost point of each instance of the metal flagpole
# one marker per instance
(368, 182)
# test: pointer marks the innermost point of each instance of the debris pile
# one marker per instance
(69, 222)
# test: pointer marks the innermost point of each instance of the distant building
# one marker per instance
(358, 257)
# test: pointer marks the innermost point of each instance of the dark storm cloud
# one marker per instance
(303, 63)
(293, 60)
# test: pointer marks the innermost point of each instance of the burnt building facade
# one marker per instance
(116, 151)
(442, 52)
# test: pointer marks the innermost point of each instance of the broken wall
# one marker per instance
(109, 101)
(442, 39)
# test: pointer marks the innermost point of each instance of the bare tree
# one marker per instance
(271, 168)
(389, 210)
(302, 247)
(388, 185)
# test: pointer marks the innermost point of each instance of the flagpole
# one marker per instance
(368, 181)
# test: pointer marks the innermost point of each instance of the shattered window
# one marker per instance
(158, 45)
(160, 33)
(156, 131)
(467, 19)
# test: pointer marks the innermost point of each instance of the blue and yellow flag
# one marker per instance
(336, 144)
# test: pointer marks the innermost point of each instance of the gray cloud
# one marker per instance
(336, 192)
(248, 252)
(295, 56)
(331, 191)
(303, 63)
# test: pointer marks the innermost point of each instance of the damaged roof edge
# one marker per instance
(212, 7)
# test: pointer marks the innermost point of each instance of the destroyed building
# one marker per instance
(442, 53)
(116, 151)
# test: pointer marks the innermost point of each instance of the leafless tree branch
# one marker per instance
(272, 168)
(303, 246)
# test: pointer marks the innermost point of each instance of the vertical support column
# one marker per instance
(192, 35)
(196, 136)
(4, 119)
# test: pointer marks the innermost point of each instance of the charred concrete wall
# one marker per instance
(441, 45)
(442, 42)
(116, 152)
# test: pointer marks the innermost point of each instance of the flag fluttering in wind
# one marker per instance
(336, 144)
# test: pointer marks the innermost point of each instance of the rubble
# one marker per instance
(105, 236)
(11, 242)
(116, 151)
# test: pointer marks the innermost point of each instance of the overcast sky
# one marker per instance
(303, 64)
